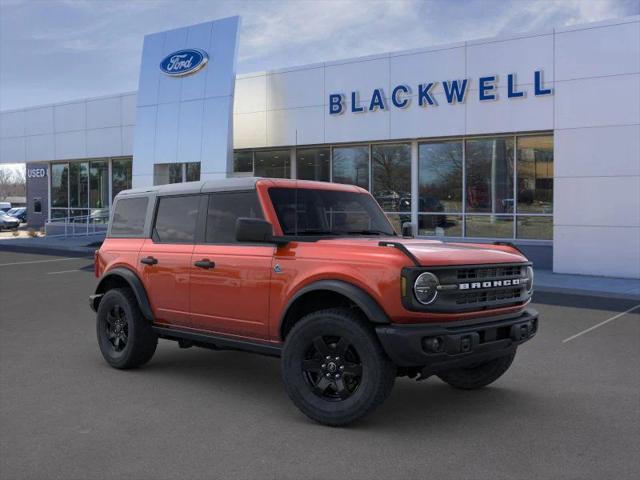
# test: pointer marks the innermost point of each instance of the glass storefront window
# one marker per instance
(397, 220)
(489, 175)
(272, 164)
(440, 177)
(120, 175)
(392, 176)
(243, 161)
(440, 225)
(193, 171)
(78, 184)
(489, 226)
(535, 174)
(59, 185)
(99, 184)
(351, 165)
(534, 227)
(59, 213)
(166, 173)
(313, 164)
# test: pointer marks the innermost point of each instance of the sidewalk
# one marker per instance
(52, 245)
(625, 288)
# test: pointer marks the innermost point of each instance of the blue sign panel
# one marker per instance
(184, 62)
(455, 91)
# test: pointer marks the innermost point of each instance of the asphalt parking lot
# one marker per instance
(564, 410)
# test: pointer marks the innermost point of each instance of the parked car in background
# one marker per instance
(8, 222)
(5, 206)
(20, 213)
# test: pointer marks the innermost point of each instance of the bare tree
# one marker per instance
(12, 183)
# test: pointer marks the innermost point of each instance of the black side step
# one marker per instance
(219, 341)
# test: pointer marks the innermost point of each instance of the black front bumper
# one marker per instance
(442, 346)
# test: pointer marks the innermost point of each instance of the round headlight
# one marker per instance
(426, 288)
(529, 279)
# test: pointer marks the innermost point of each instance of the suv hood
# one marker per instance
(436, 252)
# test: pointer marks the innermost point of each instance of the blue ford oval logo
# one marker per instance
(184, 62)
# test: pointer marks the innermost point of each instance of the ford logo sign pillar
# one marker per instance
(185, 99)
(184, 62)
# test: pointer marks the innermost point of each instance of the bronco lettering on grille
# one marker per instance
(491, 284)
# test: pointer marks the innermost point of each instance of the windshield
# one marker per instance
(328, 212)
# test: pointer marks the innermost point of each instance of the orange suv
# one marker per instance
(311, 272)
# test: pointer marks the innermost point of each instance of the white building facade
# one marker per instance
(531, 138)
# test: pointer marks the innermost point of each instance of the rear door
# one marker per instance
(230, 281)
(165, 258)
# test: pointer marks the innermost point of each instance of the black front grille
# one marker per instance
(484, 273)
(472, 287)
(487, 296)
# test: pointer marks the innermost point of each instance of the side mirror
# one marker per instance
(407, 229)
(253, 230)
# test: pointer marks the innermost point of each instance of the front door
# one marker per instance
(165, 259)
(230, 281)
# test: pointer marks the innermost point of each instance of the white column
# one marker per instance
(110, 173)
(292, 162)
(414, 186)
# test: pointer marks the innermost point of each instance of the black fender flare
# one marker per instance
(134, 283)
(364, 301)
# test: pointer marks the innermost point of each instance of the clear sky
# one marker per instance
(57, 50)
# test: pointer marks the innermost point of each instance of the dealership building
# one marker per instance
(531, 138)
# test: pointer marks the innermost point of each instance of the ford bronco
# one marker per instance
(313, 273)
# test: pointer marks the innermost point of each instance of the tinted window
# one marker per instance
(243, 161)
(351, 165)
(489, 173)
(176, 219)
(535, 174)
(120, 175)
(313, 164)
(223, 211)
(392, 176)
(272, 164)
(440, 177)
(193, 171)
(328, 212)
(129, 216)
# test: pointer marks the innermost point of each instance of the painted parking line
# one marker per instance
(615, 317)
(66, 271)
(41, 261)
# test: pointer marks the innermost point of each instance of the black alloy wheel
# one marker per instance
(117, 327)
(126, 339)
(332, 367)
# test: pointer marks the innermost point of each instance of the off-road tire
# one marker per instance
(478, 376)
(141, 340)
(377, 372)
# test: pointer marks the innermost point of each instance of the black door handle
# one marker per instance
(205, 263)
(149, 261)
